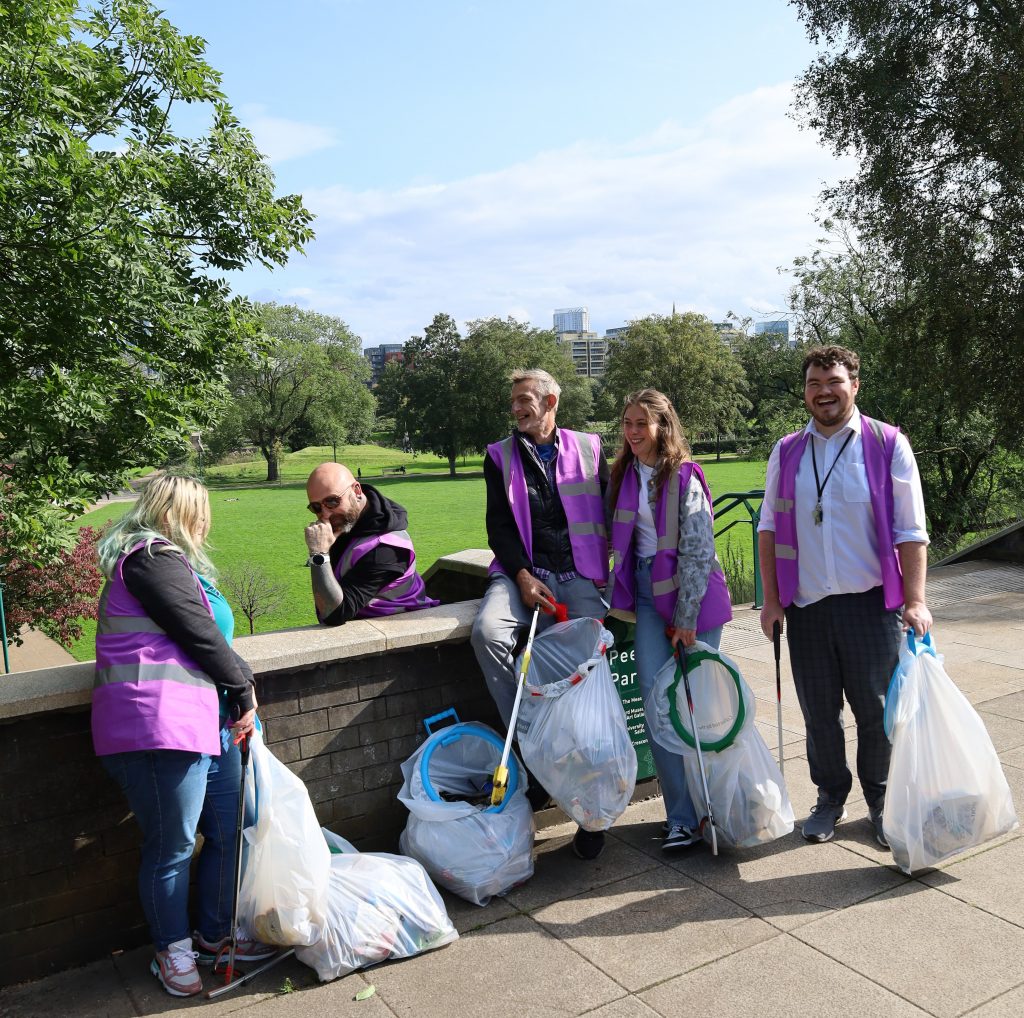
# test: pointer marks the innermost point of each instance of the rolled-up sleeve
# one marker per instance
(771, 489)
(909, 520)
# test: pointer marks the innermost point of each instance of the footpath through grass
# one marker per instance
(263, 526)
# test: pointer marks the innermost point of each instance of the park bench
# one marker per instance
(393, 470)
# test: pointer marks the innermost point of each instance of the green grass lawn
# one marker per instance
(264, 525)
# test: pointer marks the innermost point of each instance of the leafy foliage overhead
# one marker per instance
(116, 324)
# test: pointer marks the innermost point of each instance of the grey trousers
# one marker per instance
(503, 618)
(848, 645)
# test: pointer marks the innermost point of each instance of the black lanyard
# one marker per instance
(819, 514)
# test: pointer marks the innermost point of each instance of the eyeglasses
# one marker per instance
(331, 502)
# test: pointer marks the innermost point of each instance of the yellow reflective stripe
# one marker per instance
(665, 586)
(783, 505)
(786, 551)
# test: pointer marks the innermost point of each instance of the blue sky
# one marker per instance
(499, 158)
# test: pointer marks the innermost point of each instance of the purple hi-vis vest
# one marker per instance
(148, 693)
(404, 594)
(715, 606)
(579, 488)
(879, 441)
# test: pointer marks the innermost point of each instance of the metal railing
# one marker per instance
(743, 500)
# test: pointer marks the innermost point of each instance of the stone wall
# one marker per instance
(342, 707)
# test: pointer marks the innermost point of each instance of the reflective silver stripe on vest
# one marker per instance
(623, 516)
(586, 529)
(669, 541)
(153, 672)
(665, 586)
(393, 593)
(108, 625)
(345, 563)
(783, 505)
(580, 488)
(876, 429)
(785, 551)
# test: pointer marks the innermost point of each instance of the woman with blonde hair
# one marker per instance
(167, 686)
(664, 567)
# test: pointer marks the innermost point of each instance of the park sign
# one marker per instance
(622, 658)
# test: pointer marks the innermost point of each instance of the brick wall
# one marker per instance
(69, 845)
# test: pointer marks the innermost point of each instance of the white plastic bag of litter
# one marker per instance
(572, 727)
(748, 794)
(287, 866)
(946, 791)
(466, 845)
(379, 906)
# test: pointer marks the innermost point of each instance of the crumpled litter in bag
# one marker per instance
(474, 852)
(287, 869)
(379, 906)
(747, 790)
(946, 790)
(572, 727)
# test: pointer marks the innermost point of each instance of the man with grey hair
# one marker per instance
(546, 527)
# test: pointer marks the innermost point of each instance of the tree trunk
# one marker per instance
(451, 464)
(271, 456)
(718, 446)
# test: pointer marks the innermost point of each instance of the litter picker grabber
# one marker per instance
(232, 978)
(777, 640)
(710, 817)
(499, 783)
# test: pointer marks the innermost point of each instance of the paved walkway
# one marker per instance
(789, 929)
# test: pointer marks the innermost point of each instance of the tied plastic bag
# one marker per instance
(467, 846)
(747, 791)
(287, 868)
(572, 727)
(379, 906)
(946, 791)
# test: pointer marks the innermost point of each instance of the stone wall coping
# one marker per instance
(473, 561)
(47, 689)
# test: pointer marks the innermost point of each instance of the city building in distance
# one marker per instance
(572, 320)
(378, 356)
(588, 350)
(779, 327)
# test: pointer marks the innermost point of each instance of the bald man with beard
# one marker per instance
(361, 557)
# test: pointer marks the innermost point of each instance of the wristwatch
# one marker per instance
(317, 560)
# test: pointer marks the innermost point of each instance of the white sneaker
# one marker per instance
(176, 969)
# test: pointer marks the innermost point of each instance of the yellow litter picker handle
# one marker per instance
(499, 782)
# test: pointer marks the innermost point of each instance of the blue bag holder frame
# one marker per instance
(452, 732)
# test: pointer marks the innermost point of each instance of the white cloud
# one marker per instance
(701, 214)
(280, 139)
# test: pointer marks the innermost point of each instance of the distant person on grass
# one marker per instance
(546, 527)
(843, 550)
(361, 557)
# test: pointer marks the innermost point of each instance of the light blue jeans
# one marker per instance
(174, 794)
(653, 649)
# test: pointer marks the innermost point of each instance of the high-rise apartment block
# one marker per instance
(588, 350)
(572, 320)
(378, 356)
(779, 327)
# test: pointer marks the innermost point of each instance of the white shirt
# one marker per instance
(645, 534)
(840, 555)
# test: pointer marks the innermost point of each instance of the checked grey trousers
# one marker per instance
(848, 645)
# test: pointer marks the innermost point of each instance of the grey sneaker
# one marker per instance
(876, 816)
(678, 837)
(176, 969)
(821, 824)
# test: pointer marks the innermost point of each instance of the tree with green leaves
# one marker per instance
(309, 375)
(117, 325)
(684, 357)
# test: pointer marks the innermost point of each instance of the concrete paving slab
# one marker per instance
(780, 978)
(336, 999)
(93, 991)
(988, 880)
(559, 874)
(466, 916)
(1010, 706)
(510, 969)
(1006, 733)
(908, 939)
(651, 927)
(624, 1007)
(790, 881)
(1006, 1005)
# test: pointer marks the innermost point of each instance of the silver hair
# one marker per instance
(543, 383)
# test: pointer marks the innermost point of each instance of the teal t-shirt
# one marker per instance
(225, 620)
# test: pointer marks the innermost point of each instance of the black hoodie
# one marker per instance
(377, 568)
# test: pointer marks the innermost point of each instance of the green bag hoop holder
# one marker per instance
(673, 709)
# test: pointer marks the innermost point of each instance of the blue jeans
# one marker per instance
(174, 794)
(653, 649)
